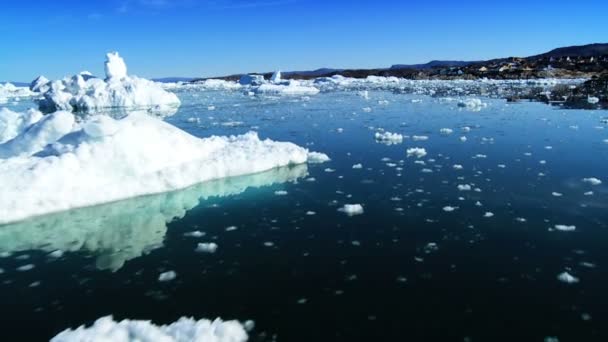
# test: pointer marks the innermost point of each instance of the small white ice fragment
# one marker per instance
(565, 228)
(592, 181)
(167, 276)
(280, 192)
(567, 278)
(209, 247)
(449, 208)
(417, 152)
(352, 209)
(464, 187)
(357, 166)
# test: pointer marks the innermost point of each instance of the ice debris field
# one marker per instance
(155, 202)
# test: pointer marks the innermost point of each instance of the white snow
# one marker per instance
(389, 138)
(276, 77)
(593, 100)
(183, 330)
(14, 123)
(352, 209)
(85, 93)
(56, 165)
(417, 152)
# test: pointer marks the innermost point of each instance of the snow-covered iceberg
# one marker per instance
(183, 330)
(86, 93)
(10, 92)
(59, 163)
(130, 228)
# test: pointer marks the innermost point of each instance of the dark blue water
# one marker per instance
(405, 269)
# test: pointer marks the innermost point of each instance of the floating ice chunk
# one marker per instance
(206, 247)
(472, 104)
(389, 138)
(291, 87)
(56, 254)
(367, 109)
(464, 187)
(449, 208)
(25, 268)
(357, 166)
(352, 209)
(463, 138)
(457, 167)
(593, 100)
(565, 228)
(567, 278)
(143, 156)
(167, 276)
(183, 330)
(417, 152)
(592, 181)
(420, 137)
(195, 234)
(280, 192)
(254, 80)
(446, 131)
(317, 158)
(115, 66)
(488, 214)
(556, 194)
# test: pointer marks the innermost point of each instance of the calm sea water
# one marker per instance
(288, 259)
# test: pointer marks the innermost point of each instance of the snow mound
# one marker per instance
(184, 329)
(103, 159)
(85, 93)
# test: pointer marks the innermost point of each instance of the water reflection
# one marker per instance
(120, 231)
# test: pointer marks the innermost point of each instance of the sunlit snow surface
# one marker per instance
(405, 269)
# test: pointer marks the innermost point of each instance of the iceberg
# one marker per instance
(10, 92)
(85, 93)
(58, 164)
(128, 229)
(183, 330)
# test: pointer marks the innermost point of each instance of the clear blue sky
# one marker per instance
(217, 37)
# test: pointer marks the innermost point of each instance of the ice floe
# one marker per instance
(592, 181)
(10, 92)
(183, 330)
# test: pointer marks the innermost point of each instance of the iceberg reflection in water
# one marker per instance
(124, 230)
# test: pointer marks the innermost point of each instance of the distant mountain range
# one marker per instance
(433, 64)
(537, 66)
